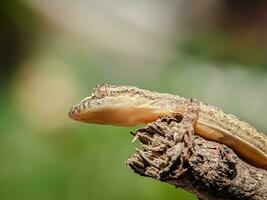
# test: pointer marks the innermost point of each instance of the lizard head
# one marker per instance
(117, 105)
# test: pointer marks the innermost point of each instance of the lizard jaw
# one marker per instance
(118, 111)
(120, 106)
(124, 117)
(118, 116)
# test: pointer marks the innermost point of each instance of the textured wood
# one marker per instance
(171, 153)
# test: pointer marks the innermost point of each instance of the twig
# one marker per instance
(207, 169)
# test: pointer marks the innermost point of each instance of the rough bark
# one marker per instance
(210, 170)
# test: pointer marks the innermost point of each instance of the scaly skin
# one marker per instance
(129, 106)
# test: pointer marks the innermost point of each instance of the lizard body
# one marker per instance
(129, 106)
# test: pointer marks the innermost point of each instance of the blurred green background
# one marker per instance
(52, 53)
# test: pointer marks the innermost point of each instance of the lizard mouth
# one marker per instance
(115, 115)
(76, 110)
(90, 103)
(118, 111)
(119, 106)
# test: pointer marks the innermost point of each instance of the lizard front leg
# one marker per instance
(183, 131)
(169, 141)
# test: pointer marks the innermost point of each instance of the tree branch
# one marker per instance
(207, 169)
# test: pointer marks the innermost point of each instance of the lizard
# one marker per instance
(130, 106)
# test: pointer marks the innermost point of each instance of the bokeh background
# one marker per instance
(52, 53)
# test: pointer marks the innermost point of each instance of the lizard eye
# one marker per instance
(100, 91)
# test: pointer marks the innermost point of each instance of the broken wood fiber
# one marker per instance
(208, 169)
